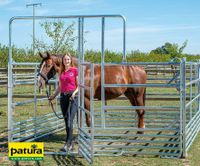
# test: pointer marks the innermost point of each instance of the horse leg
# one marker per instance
(87, 106)
(140, 112)
(137, 100)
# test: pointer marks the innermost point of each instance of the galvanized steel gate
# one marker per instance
(40, 126)
(171, 126)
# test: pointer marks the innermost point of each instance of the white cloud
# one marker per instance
(5, 2)
(154, 29)
(144, 38)
(41, 12)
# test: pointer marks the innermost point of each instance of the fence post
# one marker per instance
(92, 111)
(198, 68)
(10, 85)
(182, 107)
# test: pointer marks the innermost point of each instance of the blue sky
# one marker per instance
(150, 23)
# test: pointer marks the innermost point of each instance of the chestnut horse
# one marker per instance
(115, 74)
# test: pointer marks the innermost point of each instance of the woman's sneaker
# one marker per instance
(67, 147)
(64, 148)
(70, 147)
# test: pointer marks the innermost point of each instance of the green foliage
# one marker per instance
(137, 56)
(110, 56)
(93, 56)
(25, 55)
(3, 55)
(61, 38)
(18, 55)
(192, 58)
(172, 49)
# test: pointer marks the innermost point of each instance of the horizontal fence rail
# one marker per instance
(162, 132)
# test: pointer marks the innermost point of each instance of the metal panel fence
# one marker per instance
(192, 107)
(30, 119)
(167, 133)
(80, 19)
(171, 126)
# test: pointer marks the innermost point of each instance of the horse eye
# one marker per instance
(48, 65)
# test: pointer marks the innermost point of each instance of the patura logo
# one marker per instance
(26, 151)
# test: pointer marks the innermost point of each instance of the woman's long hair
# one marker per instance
(62, 65)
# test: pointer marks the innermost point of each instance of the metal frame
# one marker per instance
(177, 132)
(174, 133)
(80, 18)
(32, 128)
(192, 109)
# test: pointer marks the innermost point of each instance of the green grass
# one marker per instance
(56, 141)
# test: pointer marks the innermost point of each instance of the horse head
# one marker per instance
(49, 66)
(46, 69)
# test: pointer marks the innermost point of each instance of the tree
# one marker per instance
(172, 49)
(61, 38)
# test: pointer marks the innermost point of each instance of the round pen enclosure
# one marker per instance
(172, 105)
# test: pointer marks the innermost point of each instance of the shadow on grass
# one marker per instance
(56, 138)
(3, 142)
(63, 160)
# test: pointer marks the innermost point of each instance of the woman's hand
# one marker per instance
(73, 96)
(51, 97)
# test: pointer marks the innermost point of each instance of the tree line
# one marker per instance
(62, 39)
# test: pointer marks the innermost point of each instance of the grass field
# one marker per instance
(55, 141)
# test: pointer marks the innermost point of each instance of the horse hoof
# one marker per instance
(140, 132)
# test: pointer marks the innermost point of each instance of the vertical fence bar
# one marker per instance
(35, 102)
(82, 66)
(79, 73)
(10, 86)
(196, 86)
(102, 73)
(92, 110)
(124, 39)
(80, 70)
(191, 91)
(182, 107)
(56, 86)
(198, 100)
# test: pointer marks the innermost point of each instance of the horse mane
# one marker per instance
(58, 59)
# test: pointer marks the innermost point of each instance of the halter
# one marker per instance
(43, 76)
(50, 74)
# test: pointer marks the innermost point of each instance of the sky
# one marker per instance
(149, 23)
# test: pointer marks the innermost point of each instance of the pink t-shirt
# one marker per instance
(68, 80)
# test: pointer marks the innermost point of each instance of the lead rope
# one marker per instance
(52, 107)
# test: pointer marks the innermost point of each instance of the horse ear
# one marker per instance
(48, 54)
(41, 55)
(60, 61)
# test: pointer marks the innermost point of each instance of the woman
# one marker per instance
(68, 87)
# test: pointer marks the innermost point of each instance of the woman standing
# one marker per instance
(68, 87)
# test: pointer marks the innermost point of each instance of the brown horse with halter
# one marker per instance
(114, 74)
